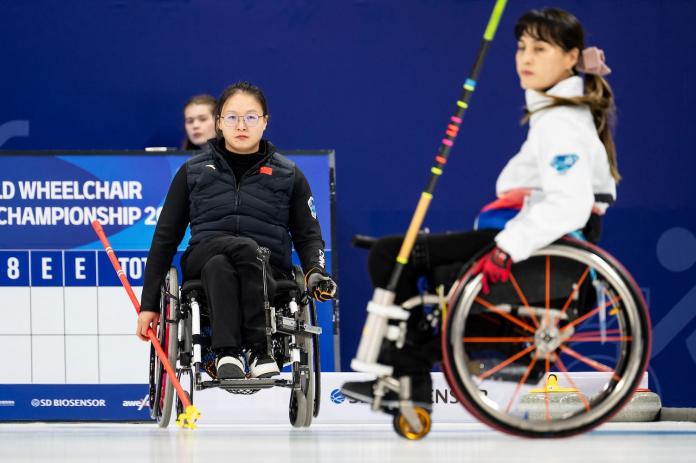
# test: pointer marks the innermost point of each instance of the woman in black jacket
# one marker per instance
(237, 195)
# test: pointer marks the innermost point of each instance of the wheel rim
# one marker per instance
(540, 340)
(169, 341)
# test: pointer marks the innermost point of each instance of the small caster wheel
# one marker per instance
(180, 405)
(403, 429)
(298, 409)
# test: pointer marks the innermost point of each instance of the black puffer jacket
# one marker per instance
(256, 206)
(271, 203)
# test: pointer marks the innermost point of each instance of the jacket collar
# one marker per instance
(216, 146)
(570, 87)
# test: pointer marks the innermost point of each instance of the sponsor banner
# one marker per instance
(129, 402)
(337, 408)
(270, 406)
(67, 402)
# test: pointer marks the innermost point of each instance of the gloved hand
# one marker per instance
(495, 267)
(319, 285)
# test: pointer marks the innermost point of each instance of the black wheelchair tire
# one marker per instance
(317, 361)
(168, 339)
(298, 409)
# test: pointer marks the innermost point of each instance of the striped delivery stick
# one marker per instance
(191, 414)
(445, 147)
(381, 308)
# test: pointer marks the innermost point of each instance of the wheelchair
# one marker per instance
(569, 311)
(184, 333)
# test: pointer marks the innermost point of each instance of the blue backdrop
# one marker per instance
(377, 80)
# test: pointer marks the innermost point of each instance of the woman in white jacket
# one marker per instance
(561, 182)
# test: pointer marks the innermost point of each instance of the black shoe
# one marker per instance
(230, 367)
(262, 365)
(364, 391)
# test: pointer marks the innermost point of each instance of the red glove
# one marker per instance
(495, 267)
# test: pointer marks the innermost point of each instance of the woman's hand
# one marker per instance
(147, 320)
(320, 286)
(494, 266)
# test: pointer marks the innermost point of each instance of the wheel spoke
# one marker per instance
(523, 299)
(591, 313)
(599, 339)
(594, 333)
(561, 366)
(522, 381)
(505, 315)
(506, 362)
(592, 363)
(510, 339)
(573, 293)
(586, 360)
(547, 367)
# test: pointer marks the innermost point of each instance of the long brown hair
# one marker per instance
(561, 28)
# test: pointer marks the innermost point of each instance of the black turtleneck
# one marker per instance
(241, 163)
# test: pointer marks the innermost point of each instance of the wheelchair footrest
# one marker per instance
(289, 325)
(245, 386)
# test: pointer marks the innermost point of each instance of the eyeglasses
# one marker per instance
(250, 120)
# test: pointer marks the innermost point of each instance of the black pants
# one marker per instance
(231, 275)
(421, 349)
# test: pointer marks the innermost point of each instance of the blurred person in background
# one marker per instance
(198, 122)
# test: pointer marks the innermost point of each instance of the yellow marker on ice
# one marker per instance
(552, 386)
(188, 418)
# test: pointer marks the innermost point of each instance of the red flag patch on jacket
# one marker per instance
(266, 170)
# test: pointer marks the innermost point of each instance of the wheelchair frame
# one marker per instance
(292, 338)
(544, 337)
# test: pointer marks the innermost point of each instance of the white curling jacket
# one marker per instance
(564, 164)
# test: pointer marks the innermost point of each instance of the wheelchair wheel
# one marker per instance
(569, 315)
(317, 362)
(403, 429)
(304, 400)
(161, 389)
(298, 409)
(312, 346)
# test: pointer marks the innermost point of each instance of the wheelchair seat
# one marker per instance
(445, 274)
(276, 287)
(284, 287)
(192, 285)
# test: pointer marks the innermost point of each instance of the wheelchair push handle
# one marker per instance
(263, 254)
(363, 241)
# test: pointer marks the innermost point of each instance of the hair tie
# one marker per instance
(591, 61)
